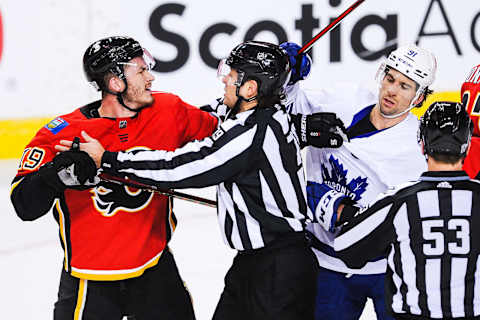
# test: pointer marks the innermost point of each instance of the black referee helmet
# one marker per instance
(446, 129)
(266, 63)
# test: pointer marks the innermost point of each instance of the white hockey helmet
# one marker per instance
(416, 63)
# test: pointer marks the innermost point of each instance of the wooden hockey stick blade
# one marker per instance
(332, 25)
(170, 193)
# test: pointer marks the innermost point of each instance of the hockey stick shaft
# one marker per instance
(170, 193)
(332, 25)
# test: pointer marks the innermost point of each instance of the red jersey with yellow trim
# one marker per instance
(114, 232)
(470, 93)
(471, 165)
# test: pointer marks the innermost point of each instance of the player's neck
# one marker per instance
(111, 108)
(380, 122)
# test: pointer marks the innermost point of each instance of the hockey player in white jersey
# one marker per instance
(382, 151)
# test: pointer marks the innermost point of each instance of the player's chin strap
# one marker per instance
(119, 96)
(393, 116)
(412, 105)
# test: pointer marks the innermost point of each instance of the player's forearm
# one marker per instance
(32, 197)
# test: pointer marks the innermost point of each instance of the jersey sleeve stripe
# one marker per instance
(14, 185)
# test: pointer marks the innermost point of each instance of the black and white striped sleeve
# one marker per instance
(217, 109)
(368, 235)
(197, 164)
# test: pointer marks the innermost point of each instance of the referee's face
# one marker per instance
(230, 94)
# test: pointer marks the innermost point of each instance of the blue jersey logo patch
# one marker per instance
(56, 125)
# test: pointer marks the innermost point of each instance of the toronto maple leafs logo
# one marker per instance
(336, 178)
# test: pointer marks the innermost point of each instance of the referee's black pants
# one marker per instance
(159, 293)
(275, 282)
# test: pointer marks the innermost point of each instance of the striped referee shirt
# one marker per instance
(429, 232)
(253, 158)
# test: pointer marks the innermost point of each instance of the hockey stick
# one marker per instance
(170, 193)
(332, 25)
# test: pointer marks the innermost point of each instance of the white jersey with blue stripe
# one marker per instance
(362, 168)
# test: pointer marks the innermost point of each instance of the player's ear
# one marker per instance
(419, 99)
(422, 146)
(114, 84)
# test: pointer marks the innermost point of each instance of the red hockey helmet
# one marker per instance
(471, 97)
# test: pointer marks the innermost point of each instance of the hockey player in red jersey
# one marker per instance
(115, 238)
(471, 100)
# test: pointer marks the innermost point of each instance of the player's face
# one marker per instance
(139, 81)
(230, 95)
(396, 92)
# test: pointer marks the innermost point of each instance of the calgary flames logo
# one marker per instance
(109, 198)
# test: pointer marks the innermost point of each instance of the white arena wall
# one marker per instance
(42, 44)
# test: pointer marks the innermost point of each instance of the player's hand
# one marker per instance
(70, 169)
(321, 130)
(75, 168)
(325, 203)
(300, 69)
(92, 147)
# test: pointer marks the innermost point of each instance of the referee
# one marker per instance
(428, 229)
(254, 159)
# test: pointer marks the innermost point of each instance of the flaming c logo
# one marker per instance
(1, 36)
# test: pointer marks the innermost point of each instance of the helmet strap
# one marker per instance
(237, 93)
(393, 116)
(412, 105)
(120, 100)
(237, 104)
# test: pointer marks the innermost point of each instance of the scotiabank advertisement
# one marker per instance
(41, 70)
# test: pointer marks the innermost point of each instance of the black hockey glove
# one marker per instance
(321, 130)
(70, 169)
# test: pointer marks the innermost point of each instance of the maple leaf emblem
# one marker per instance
(336, 178)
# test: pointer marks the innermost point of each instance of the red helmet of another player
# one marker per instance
(471, 98)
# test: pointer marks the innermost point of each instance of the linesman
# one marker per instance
(425, 228)
(255, 161)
